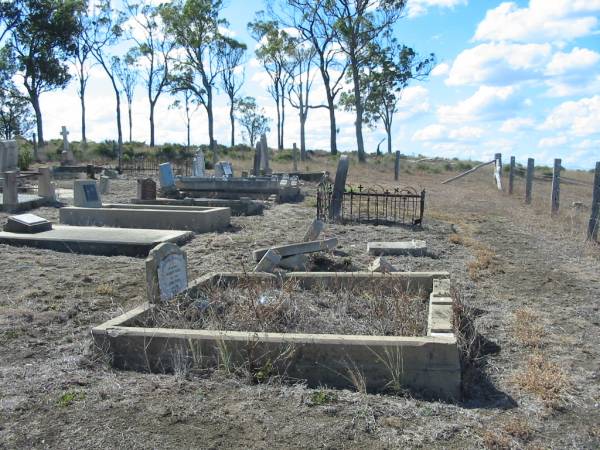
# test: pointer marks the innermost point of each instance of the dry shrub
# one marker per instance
(106, 289)
(519, 429)
(456, 239)
(496, 440)
(544, 379)
(510, 435)
(526, 328)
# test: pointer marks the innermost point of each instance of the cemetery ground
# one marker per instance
(531, 380)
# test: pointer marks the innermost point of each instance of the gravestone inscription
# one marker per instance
(166, 272)
(86, 195)
(146, 189)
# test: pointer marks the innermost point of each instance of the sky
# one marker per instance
(521, 78)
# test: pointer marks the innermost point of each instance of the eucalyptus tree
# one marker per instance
(313, 23)
(252, 118)
(9, 16)
(153, 47)
(185, 99)
(105, 30)
(41, 37)
(231, 57)
(81, 62)
(358, 25)
(389, 71)
(274, 52)
(194, 26)
(127, 72)
(16, 117)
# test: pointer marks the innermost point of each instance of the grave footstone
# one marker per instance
(166, 272)
(146, 189)
(9, 156)
(268, 262)
(86, 195)
(166, 177)
(198, 164)
(104, 185)
(45, 186)
(382, 265)
(27, 223)
(10, 196)
(339, 188)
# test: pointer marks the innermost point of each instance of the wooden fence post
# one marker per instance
(555, 196)
(498, 171)
(397, 166)
(511, 175)
(595, 209)
(295, 157)
(529, 180)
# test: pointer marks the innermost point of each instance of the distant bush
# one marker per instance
(24, 159)
(107, 149)
(462, 166)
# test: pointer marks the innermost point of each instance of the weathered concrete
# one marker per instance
(296, 262)
(382, 265)
(97, 240)
(296, 249)
(257, 188)
(27, 202)
(415, 248)
(196, 219)
(268, 262)
(241, 207)
(314, 230)
(427, 364)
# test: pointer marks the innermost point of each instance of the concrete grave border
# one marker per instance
(429, 364)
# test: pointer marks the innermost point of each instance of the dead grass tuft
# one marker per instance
(527, 329)
(519, 429)
(106, 289)
(497, 440)
(484, 256)
(544, 379)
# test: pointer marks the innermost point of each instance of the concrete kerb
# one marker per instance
(429, 364)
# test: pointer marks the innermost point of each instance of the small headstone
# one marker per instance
(264, 154)
(244, 174)
(27, 223)
(198, 164)
(339, 188)
(166, 272)
(268, 262)
(10, 196)
(9, 156)
(146, 189)
(45, 186)
(166, 177)
(382, 265)
(314, 230)
(104, 185)
(86, 195)
(223, 169)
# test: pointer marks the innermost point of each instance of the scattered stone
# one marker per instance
(297, 249)
(166, 272)
(27, 223)
(382, 265)
(268, 262)
(414, 248)
(314, 230)
(86, 195)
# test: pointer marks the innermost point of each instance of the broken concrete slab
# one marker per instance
(382, 265)
(296, 262)
(314, 230)
(414, 248)
(97, 240)
(268, 262)
(196, 219)
(296, 249)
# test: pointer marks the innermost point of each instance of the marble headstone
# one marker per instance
(166, 272)
(198, 164)
(166, 177)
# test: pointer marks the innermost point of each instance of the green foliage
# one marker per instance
(252, 118)
(463, 166)
(69, 397)
(107, 149)
(283, 156)
(24, 159)
(319, 398)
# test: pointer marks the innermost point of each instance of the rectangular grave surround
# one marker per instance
(428, 364)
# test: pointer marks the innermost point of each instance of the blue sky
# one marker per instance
(521, 78)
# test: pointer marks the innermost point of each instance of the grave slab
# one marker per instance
(27, 223)
(190, 218)
(26, 202)
(268, 262)
(241, 207)
(296, 249)
(97, 240)
(414, 248)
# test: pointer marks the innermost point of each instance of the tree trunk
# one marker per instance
(232, 118)
(359, 110)
(278, 122)
(302, 136)
(332, 126)
(35, 103)
(388, 130)
(130, 121)
(209, 113)
(152, 123)
(119, 128)
(82, 100)
(282, 120)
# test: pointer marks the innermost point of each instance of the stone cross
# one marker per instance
(67, 154)
(166, 272)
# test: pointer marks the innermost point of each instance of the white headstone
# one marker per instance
(166, 272)
(86, 195)
(223, 169)
(198, 164)
(10, 196)
(45, 186)
(165, 175)
(67, 154)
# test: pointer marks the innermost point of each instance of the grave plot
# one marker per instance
(89, 211)
(18, 194)
(342, 330)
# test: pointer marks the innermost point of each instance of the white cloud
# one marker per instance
(579, 118)
(488, 103)
(420, 7)
(552, 141)
(516, 124)
(433, 132)
(577, 59)
(499, 63)
(541, 21)
(438, 133)
(440, 70)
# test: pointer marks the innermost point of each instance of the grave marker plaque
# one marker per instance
(166, 177)
(86, 195)
(146, 189)
(166, 272)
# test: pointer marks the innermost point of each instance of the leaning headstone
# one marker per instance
(198, 164)
(339, 188)
(27, 223)
(223, 169)
(86, 195)
(104, 185)
(166, 272)
(67, 154)
(264, 154)
(382, 265)
(256, 165)
(10, 195)
(268, 262)
(9, 156)
(166, 177)
(146, 189)
(314, 230)
(45, 186)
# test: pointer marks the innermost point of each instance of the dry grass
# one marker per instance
(484, 256)
(545, 379)
(512, 434)
(527, 328)
(106, 289)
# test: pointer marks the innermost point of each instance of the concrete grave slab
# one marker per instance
(382, 265)
(268, 262)
(97, 240)
(414, 248)
(196, 219)
(27, 223)
(242, 207)
(296, 249)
